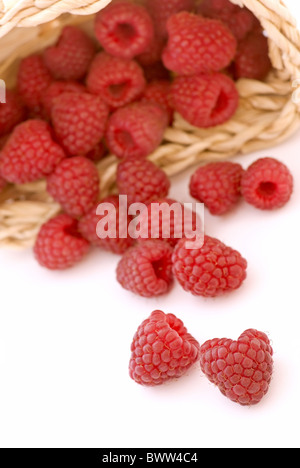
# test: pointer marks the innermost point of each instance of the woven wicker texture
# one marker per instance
(268, 113)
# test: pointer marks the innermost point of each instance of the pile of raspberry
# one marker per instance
(116, 91)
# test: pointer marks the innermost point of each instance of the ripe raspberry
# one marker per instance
(252, 59)
(116, 80)
(159, 92)
(205, 100)
(267, 184)
(124, 29)
(70, 58)
(56, 89)
(242, 369)
(12, 112)
(210, 271)
(162, 349)
(74, 184)
(33, 80)
(118, 239)
(153, 54)
(136, 130)
(141, 180)
(198, 45)
(30, 153)
(162, 10)
(165, 219)
(79, 121)
(218, 186)
(240, 21)
(146, 269)
(59, 245)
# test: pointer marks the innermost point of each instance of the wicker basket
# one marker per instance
(267, 114)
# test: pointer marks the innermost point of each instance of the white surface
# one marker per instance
(65, 344)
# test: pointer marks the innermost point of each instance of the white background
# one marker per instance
(65, 343)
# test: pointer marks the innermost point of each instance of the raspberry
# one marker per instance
(74, 184)
(205, 100)
(116, 80)
(79, 121)
(162, 10)
(153, 54)
(136, 130)
(218, 186)
(56, 89)
(158, 92)
(252, 59)
(210, 271)
(141, 180)
(240, 21)
(267, 184)
(59, 245)
(30, 153)
(198, 45)
(146, 269)
(12, 112)
(164, 219)
(124, 29)
(114, 242)
(162, 349)
(33, 80)
(242, 369)
(70, 58)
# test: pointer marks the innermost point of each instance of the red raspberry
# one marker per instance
(59, 245)
(162, 349)
(210, 271)
(12, 112)
(141, 180)
(159, 92)
(56, 89)
(118, 239)
(252, 59)
(198, 45)
(267, 184)
(79, 121)
(124, 29)
(162, 10)
(164, 219)
(70, 58)
(33, 80)
(218, 186)
(30, 153)
(146, 269)
(205, 100)
(116, 80)
(74, 184)
(136, 130)
(240, 21)
(242, 369)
